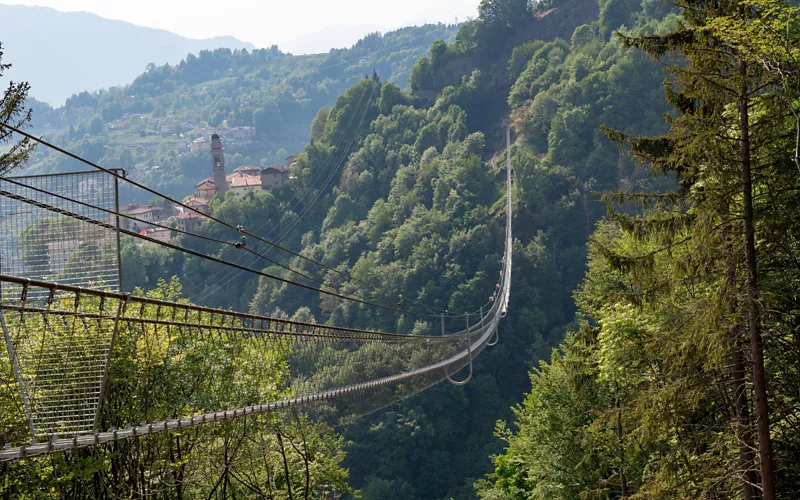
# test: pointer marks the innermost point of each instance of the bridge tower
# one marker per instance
(218, 165)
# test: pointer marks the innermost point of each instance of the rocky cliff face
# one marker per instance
(558, 22)
(561, 21)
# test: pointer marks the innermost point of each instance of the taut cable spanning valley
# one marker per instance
(17, 197)
(65, 352)
(202, 255)
(238, 229)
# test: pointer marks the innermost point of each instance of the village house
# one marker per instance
(160, 214)
(124, 209)
(245, 179)
(245, 184)
(144, 216)
(199, 144)
(188, 221)
(199, 204)
(205, 189)
(160, 234)
(243, 135)
(274, 176)
(291, 161)
(243, 171)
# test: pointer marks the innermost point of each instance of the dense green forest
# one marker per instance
(679, 378)
(654, 304)
(417, 205)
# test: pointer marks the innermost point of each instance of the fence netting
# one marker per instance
(94, 366)
(41, 243)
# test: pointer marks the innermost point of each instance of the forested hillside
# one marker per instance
(679, 377)
(153, 121)
(414, 202)
(650, 350)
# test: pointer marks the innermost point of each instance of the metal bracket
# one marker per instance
(243, 243)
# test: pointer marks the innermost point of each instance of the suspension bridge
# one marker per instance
(74, 351)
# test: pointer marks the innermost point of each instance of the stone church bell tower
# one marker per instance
(218, 165)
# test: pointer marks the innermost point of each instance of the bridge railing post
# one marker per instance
(121, 307)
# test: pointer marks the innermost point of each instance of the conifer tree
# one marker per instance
(722, 146)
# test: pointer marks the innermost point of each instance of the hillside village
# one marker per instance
(243, 180)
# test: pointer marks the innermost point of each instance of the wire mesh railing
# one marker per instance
(42, 244)
(91, 365)
(95, 366)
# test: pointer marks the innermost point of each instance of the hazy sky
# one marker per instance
(267, 22)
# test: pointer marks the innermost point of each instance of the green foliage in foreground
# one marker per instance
(160, 372)
(13, 111)
(681, 378)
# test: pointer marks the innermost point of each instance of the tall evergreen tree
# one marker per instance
(728, 120)
(689, 310)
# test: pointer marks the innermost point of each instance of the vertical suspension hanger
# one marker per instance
(122, 305)
(12, 354)
(469, 351)
(493, 343)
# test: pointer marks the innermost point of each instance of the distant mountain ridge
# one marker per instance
(330, 37)
(92, 52)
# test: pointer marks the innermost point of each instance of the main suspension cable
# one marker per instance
(208, 216)
(207, 238)
(202, 255)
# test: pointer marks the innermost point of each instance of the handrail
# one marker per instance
(54, 287)
(486, 327)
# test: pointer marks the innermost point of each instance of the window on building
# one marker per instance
(216, 160)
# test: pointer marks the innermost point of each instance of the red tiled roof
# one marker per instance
(188, 215)
(248, 168)
(130, 206)
(196, 201)
(246, 181)
(205, 182)
(279, 168)
(140, 211)
(236, 175)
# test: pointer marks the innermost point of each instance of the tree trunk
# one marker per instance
(623, 482)
(752, 297)
(585, 195)
(285, 462)
(742, 424)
